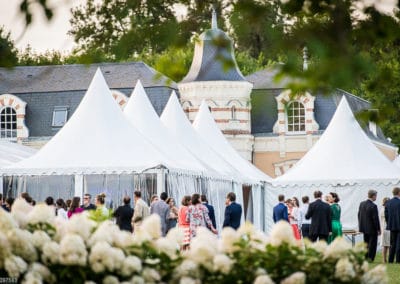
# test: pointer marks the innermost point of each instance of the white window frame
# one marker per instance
(300, 117)
(8, 120)
(59, 109)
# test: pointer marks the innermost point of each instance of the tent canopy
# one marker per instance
(11, 153)
(97, 139)
(343, 155)
(140, 112)
(205, 126)
(178, 124)
(396, 162)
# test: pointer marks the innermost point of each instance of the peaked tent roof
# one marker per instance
(11, 153)
(178, 124)
(142, 115)
(205, 126)
(97, 139)
(343, 155)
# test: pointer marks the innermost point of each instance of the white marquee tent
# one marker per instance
(344, 160)
(178, 124)
(206, 127)
(97, 140)
(396, 162)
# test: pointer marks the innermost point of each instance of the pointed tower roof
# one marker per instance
(343, 155)
(97, 139)
(213, 58)
(206, 127)
(177, 123)
(142, 115)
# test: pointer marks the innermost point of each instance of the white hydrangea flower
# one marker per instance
(6, 221)
(260, 271)
(41, 213)
(246, 229)
(282, 232)
(377, 275)
(170, 248)
(222, 263)
(176, 235)
(140, 236)
(229, 237)
(32, 278)
(319, 246)
(344, 270)
(81, 225)
(104, 233)
(203, 247)
(61, 228)
(123, 239)
(131, 265)
(137, 280)
(90, 282)
(152, 225)
(51, 253)
(188, 280)
(263, 279)
(295, 278)
(151, 275)
(39, 238)
(5, 249)
(337, 249)
(365, 266)
(187, 268)
(20, 210)
(110, 279)
(104, 257)
(73, 250)
(259, 240)
(21, 244)
(42, 272)
(15, 266)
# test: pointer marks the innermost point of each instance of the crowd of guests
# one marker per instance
(194, 211)
(320, 220)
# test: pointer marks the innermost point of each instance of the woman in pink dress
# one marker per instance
(182, 223)
(197, 216)
(293, 218)
(75, 209)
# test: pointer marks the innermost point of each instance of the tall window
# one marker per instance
(8, 123)
(296, 117)
(233, 113)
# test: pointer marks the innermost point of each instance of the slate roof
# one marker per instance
(212, 52)
(264, 107)
(60, 78)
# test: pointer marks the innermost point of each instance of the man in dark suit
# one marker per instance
(124, 214)
(233, 212)
(368, 223)
(321, 220)
(210, 208)
(280, 210)
(392, 216)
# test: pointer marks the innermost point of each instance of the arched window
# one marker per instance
(8, 123)
(296, 117)
(233, 113)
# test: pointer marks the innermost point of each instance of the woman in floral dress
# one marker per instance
(198, 216)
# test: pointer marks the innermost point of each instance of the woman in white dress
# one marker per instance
(61, 209)
(385, 235)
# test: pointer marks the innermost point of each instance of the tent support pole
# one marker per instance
(1, 185)
(79, 186)
(160, 181)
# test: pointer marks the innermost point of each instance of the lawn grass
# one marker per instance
(393, 269)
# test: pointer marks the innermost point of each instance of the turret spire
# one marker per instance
(214, 24)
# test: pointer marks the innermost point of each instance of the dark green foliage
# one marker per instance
(8, 52)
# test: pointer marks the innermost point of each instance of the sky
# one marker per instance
(42, 35)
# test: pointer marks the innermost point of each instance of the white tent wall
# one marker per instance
(258, 206)
(350, 198)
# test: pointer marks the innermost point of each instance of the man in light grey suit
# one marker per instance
(161, 208)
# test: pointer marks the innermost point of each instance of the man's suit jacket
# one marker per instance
(280, 213)
(233, 214)
(392, 214)
(368, 218)
(211, 214)
(321, 219)
(124, 217)
(162, 209)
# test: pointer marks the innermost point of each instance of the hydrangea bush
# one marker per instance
(37, 247)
